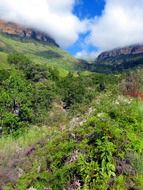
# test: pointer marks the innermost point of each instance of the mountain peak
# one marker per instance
(22, 32)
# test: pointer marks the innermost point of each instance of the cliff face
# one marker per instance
(131, 50)
(119, 59)
(25, 33)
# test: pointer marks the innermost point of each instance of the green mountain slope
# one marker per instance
(118, 64)
(3, 60)
(38, 52)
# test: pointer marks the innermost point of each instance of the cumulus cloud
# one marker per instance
(84, 54)
(120, 24)
(54, 17)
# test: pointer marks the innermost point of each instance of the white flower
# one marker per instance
(100, 114)
(32, 188)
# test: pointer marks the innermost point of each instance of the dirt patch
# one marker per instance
(16, 165)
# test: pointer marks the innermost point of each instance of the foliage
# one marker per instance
(100, 148)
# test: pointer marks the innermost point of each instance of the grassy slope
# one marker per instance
(38, 52)
(3, 60)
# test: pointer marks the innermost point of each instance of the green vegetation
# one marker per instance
(40, 53)
(81, 131)
(28, 91)
(117, 64)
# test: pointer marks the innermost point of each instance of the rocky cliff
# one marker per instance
(119, 59)
(16, 30)
(130, 50)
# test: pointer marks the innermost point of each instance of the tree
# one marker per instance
(15, 101)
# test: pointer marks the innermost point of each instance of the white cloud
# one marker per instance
(120, 24)
(54, 17)
(83, 54)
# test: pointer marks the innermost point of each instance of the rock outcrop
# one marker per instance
(130, 50)
(16, 30)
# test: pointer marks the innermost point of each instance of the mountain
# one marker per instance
(131, 50)
(38, 46)
(119, 59)
(22, 32)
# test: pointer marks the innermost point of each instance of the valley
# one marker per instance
(66, 124)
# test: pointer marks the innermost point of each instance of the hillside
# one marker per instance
(118, 60)
(22, 32)
(130, 50)
(65, 131)
(74, 132)
(36, 45)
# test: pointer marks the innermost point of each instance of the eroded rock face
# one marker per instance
(130, 50)
(27, 33)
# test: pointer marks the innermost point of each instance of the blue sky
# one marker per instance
(86, 9)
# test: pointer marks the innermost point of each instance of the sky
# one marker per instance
(82, 27)
(86, 9)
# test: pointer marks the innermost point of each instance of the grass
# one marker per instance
(3, 61)
(14, 143)
(9, 144)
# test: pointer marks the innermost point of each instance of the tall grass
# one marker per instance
(10, 145)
